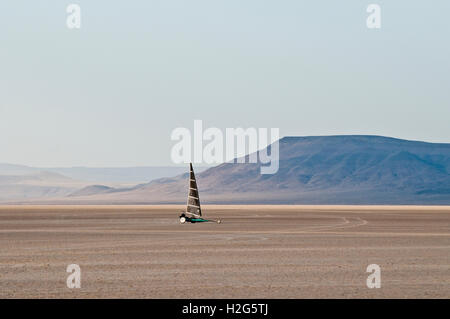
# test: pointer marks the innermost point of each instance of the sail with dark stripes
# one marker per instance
(193, 201)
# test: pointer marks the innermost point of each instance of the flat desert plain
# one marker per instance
(257, 252)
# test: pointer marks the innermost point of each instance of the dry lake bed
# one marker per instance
(257, 252)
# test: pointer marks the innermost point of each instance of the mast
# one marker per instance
(193, 200)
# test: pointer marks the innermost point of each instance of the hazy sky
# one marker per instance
(111, 93)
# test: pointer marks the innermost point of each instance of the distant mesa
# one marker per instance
(342, 169)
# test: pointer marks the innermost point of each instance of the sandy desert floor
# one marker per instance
(257, 252)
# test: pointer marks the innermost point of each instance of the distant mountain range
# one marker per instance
(40, 184)
(23, 183)
(100, 174)
(347, 169)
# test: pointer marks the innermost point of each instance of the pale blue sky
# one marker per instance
(111, 93)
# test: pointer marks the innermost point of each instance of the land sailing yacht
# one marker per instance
(193, 213)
